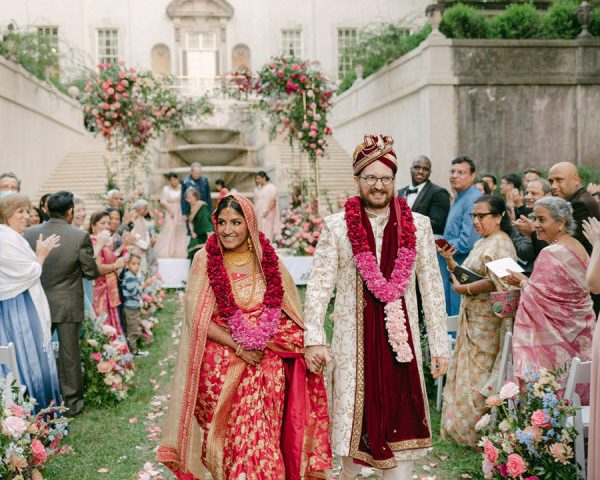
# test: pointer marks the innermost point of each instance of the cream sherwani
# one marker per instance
(334, 267)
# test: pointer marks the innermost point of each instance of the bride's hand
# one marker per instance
(251, 357)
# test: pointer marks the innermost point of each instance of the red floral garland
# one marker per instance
(248, 336)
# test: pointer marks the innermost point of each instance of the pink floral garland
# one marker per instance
(392, 291)
(248, 336)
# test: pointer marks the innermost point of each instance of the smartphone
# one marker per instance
(442, 243)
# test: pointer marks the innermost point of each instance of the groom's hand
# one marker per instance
(316, 357)
(439, 365)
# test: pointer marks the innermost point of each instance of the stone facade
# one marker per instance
(508, 104)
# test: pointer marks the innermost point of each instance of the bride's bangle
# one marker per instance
(238, 350)
(523, 283)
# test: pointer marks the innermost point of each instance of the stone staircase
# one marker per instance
(83, 172)
(335, 170)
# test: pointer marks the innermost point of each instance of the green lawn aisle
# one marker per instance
(115, 442)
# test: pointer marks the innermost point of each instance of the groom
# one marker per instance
(370, 254)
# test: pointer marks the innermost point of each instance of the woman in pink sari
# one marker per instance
(267, 206)
(555, 320)
(243, 404)
(106, 287)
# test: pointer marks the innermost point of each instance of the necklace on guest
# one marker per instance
(239, 259)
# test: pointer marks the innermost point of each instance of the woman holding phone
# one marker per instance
(480, 334)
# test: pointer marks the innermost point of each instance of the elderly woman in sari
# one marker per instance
(106, 288)
(480, 334)
(24, 310)
(244, 404)
(555, 320)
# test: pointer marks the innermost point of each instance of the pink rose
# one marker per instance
(491, 452)
(531, 478)
(104, 367)
(14, 426)
(96, 356)
(16, 410)
(509, 390)
(540, 419)
(40, 455)
(515, 465)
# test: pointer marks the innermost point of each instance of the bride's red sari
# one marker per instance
(268, 421)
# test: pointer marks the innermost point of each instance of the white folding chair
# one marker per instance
(506, 369)
(8, 357)
(580, 373)
(452, 327)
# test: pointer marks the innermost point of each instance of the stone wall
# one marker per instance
(38, 126)
(507, 104)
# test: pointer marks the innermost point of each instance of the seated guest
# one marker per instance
(425, 197)
(480, 334)
(527, 244)
(62, 276)
(555, 320)
(199, 221)
(483, 187)
(35, 217)
(9, 182)
(79, 213)
(171, 241)
(106, 287)
(591, 230)
(491, 181)
(24, 311)
(222, 189)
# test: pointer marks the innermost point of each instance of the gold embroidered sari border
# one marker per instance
(359, 392)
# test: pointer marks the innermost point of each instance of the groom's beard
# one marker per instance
(377, 197)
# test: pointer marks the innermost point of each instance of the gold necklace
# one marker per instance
(239, 259)
(237, 295)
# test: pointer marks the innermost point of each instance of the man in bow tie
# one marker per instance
(425, 197)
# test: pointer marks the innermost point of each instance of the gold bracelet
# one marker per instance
(523, 282)
(238, 350)
(469, 289)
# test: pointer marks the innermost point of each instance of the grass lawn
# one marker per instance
(115, 442)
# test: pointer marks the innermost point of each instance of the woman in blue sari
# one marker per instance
(24, 311)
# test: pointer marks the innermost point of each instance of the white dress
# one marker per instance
(334, 267)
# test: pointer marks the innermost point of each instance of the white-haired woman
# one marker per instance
(24, 310)
(555, 320)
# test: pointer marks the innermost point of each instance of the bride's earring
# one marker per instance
(249, 245)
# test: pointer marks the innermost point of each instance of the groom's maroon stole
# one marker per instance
(391, 415)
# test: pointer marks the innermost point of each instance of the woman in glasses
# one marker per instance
(480, 333)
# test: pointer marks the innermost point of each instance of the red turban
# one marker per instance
(373, 148)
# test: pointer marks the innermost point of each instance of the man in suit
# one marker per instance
(62, 279)
(425, 197)
(200, 183)
(566, 183)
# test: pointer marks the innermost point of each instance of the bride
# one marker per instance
(243, 404)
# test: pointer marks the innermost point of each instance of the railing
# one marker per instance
(213, 86)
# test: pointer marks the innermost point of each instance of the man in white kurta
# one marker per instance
(334, 268)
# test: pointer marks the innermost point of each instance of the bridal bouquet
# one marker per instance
(28, 441)
(526, 434)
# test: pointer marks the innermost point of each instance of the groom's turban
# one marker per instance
(373, 148)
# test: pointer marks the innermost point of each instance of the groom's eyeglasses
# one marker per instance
(372, 180)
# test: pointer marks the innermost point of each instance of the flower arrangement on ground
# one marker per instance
(529, 439)
(108, 368)
(28, 441)
(300, 230)
(296, 97)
